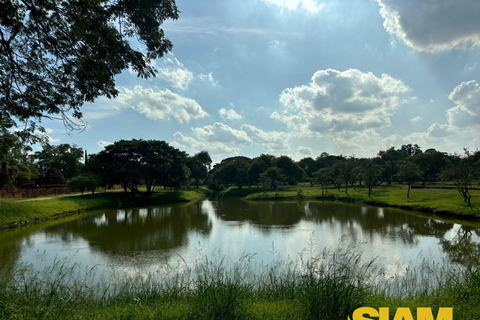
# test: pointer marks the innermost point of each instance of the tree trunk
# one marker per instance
(408, 192)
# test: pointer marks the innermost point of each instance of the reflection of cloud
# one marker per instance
(432, 25)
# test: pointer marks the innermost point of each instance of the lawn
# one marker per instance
(18, 212)
(438, 201)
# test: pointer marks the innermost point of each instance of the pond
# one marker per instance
(136, 241)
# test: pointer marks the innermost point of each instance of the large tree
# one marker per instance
(56, 55)
(199, 165)
(64, 157)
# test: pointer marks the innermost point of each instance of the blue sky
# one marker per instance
(302, 77)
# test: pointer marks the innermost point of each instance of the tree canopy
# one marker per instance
(56, 55)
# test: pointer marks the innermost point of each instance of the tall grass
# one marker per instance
(329, 285)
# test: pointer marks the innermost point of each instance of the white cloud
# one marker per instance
(161, 104)
(220, 138)
(340, 101)
(208, 78)
(229, 114)
(193, 146)
(305, 151)
(466, 114)
(437, 130)
(271, 141)
(220, 132)
(312, 6)
(416, 119)
(175, 72)
(103, 144)
(432, 25)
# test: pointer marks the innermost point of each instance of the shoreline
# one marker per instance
(22, 214)
(444, 203)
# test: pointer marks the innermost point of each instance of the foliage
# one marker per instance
(83, 182)
(291, 171)
(56, 55)
(234, 172)
(129, 162)
(64, 157)
(409, 172)
(372, 175)
(199, 165)
(330, 285)
(463, 174)
(16, 156)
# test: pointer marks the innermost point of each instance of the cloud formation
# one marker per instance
(220, 138)
(161, 104)
(307, 5)
(432, 25)
(175, 72)
(338, 101)
(229, 114)
(466, 114)
(271, 141)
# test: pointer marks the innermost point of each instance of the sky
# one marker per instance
(302, 77)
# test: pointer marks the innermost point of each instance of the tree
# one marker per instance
(178, 174)
(409, 172)
(56, 55)
(389, 160)
(343, 171)
(292, 172)
(64, 157)
(199, 165)
(85, 181)
(372, 175)
(274, 175)
(258, 166)
(463, 174)
(324, 176)
(15, 158)
(431, 162)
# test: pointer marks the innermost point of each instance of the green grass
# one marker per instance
(437, 201)
(329, 286)
(15, 211)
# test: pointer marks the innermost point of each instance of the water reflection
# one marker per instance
(124, 231)
(148, 236)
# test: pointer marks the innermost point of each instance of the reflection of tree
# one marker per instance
(352, 218)
(11, 244)
(282, 214)
(137, 229)
(464, 248)
(9, 254)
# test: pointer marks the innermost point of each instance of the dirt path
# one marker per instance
(53, 197)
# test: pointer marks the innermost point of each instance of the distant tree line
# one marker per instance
(154, 163)
(408, 164)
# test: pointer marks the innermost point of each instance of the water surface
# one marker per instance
(135, 241)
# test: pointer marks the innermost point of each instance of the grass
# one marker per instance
(437, 201)
(14, 212)
(328, 286)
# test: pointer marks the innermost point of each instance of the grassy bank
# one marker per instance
(330, 286)
(16, 212)
(437, 201)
